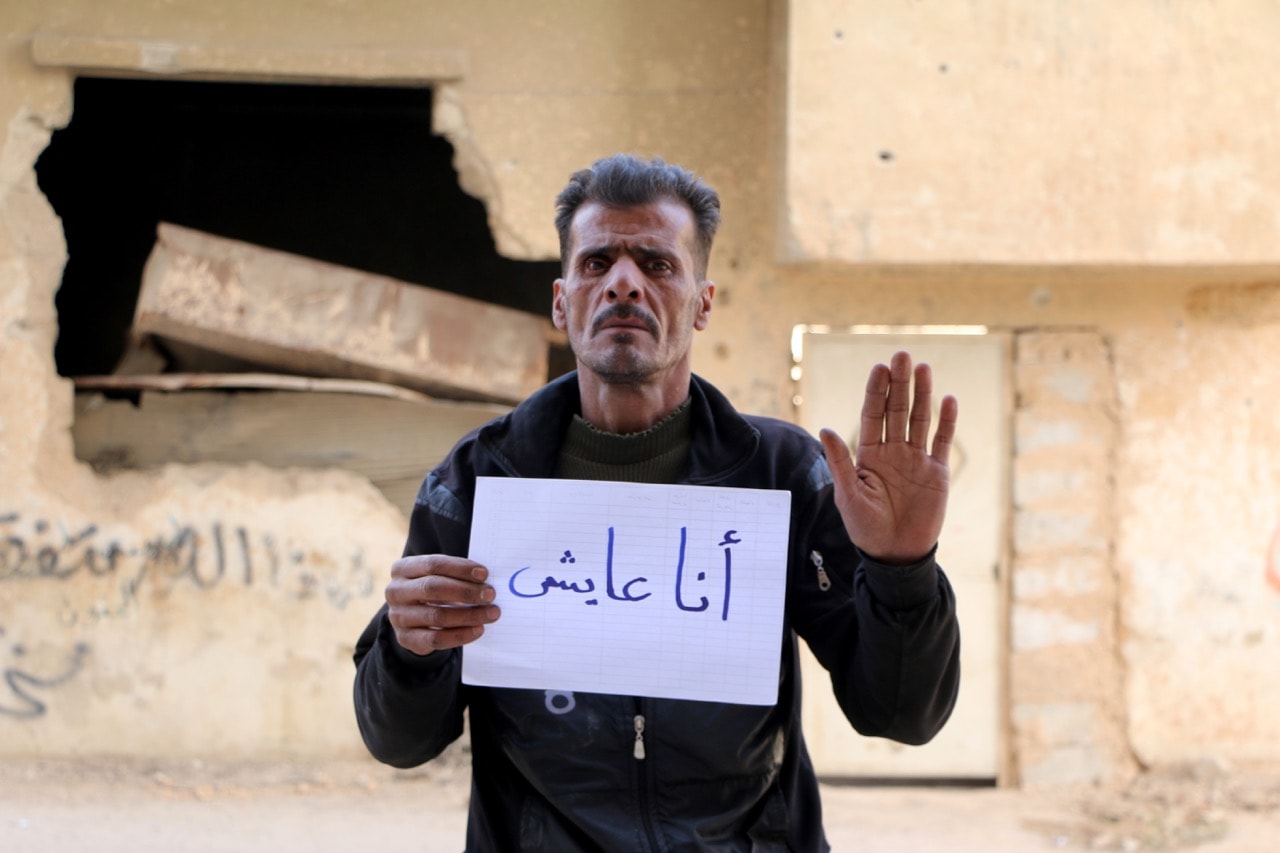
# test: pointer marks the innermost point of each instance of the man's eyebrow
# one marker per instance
(595, 251)
(610, 249)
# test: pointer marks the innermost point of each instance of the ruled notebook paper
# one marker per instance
(633, 589)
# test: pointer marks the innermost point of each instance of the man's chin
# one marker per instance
(620, 371)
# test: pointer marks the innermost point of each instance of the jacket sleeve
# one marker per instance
(887, 634)
(409, 707)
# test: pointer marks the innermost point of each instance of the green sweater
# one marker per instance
(656, 455)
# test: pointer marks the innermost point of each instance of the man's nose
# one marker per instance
(625, 282)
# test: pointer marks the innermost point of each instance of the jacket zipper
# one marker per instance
(642, 787)
(638, 751)
(824, 582)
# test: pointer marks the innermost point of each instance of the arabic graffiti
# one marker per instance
(19, 700)
(584, 585)
(201, 557)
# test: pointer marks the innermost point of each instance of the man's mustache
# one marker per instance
(625, 312)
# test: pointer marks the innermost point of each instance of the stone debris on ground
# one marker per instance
(1171, 808)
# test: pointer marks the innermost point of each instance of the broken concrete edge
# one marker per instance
(475, 175)
(304, 316)
(177, 382)
(317, 366)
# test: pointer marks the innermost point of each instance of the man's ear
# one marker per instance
(558, 318)
(703, 316)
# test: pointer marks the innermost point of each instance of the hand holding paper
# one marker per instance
(438, 602)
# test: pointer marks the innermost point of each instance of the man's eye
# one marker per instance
(594, 265)
(660, 266)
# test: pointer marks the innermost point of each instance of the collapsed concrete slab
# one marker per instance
(299, 315)
(389, 435)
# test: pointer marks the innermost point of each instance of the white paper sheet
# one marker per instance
(643, 590)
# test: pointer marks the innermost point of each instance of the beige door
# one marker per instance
(833, 370)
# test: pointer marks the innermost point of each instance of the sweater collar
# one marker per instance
(526, 441)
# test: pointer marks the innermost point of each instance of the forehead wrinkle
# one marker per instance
(595, 226)
(614, 247)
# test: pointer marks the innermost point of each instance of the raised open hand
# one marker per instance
(893, 496)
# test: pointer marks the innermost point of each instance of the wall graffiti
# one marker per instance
(200, 557)
(23, 696)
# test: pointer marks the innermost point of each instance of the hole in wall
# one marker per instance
(351, 175)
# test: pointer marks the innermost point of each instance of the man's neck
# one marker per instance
(627, 409)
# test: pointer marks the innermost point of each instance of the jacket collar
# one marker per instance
(526, 441)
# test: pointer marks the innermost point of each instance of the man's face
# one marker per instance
(630, 298)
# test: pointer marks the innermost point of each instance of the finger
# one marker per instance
(921, 404)
(422, 565)
(440, 616)
(898, 403)
(873, 406)
(948, 415)
(422, 641)
(438, 589)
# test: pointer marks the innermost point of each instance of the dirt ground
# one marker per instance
(112, 805)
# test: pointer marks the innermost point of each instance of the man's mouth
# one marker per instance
(624, 318)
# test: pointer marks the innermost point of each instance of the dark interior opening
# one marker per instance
(344, 174)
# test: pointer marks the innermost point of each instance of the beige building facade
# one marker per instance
(1095, 184)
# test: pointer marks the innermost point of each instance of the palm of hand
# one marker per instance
(893, 499)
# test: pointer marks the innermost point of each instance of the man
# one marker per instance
(635, 238)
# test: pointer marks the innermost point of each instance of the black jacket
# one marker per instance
(558, 772)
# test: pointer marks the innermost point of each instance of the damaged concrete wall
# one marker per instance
(1144, 531)
(1032, 132)
(1133, 138)
(190, 610)
(212, 608)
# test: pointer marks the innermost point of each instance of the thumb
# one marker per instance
(837, 451)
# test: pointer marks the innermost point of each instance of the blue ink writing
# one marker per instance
(626, 589)
(523, 589)
(704, 604)
(728, 570)
(549, 583)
